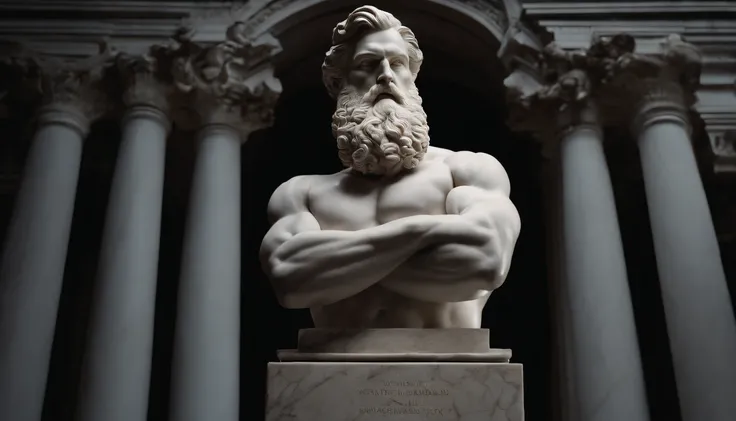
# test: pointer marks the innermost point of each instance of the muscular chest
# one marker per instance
(354, 202)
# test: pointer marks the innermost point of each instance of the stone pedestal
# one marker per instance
(438, 374)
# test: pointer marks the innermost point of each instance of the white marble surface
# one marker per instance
(408, 235)
(489, 356)
(332, 391)
(394, 340)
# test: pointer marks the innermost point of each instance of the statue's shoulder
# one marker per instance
(477, 169)
(293, 194)
(290, 197)
(294, 185)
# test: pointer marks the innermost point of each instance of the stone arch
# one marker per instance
(275, 15)
(459, 33)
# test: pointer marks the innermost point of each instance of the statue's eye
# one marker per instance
(396, 63)
(367, 64)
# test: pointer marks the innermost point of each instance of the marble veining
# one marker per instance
(394, 391)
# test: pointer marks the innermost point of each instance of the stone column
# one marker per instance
(607, 372)
(561, 386)
(205, 383)
(700, 318)
(35, 248)
(205, 372)
(599, 361)
(117, 362)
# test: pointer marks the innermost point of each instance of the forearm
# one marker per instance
(321, 267)
(441, 275)
(460, 272)
(437, 267)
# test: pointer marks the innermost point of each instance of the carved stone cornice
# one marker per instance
(520, 52)
(229, 83)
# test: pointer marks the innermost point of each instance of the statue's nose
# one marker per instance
(386, 76)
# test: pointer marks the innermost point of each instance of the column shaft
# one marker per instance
(33, 262)
(562, 388)
(700, 319)
(117, 361)
(205, 378)
(609, 383)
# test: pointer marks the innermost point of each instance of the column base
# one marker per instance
(414, 385)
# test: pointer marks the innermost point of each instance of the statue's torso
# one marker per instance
(350, 202)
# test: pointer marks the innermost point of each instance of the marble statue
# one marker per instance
(408, 235)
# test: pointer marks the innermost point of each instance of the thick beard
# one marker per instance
(380, 138)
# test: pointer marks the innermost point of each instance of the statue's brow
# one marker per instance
(376, 52)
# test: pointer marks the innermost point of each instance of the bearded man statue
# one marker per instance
(408, 235)
(381, 130)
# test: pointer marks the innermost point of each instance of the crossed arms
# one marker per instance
(439, 258)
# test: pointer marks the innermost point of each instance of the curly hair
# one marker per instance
(359, 23)
(379, 139)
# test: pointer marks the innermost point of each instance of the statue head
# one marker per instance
(379, 124)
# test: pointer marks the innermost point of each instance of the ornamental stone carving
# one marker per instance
(723, 144)
(68, 86)
(230, 83)
(142, 81)
(620, 80)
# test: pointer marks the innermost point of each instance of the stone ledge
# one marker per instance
(388, 341)
(491, 356)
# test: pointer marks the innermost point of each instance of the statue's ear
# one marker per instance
(334, 85)
(332, 69)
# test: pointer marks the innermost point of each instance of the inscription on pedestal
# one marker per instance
(406, 397)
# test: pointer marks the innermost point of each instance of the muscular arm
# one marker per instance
(311, 267)
(460, 272)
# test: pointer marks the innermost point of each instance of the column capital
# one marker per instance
(142, 81)
(646, 88)
(625, 85)
(563, 99)
(230, 83)
(722, 136)
(145, 94)
(657, 100)
(70, 91)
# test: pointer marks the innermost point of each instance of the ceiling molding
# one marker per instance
(618, 8)
(575, 25)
